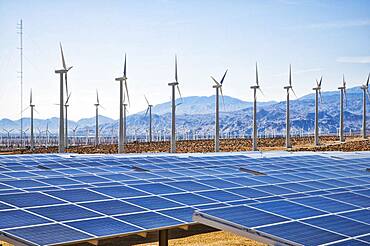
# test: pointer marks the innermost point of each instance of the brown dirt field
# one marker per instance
(328, 143)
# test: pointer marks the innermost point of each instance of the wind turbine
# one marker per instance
(218, 87)
(255, 130)
(122, 93)
(47, 133)
(317, 90)
(343, 93)
(97, 105)
(62, 72)
(32, 134)
(365, 89)
(174, 85)
(8, 136)
(66, 105)
(149, 109)
(288, 88)
(74, 130)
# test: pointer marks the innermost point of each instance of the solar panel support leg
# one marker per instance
(163, 238)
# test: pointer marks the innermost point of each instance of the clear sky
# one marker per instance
(326, 38)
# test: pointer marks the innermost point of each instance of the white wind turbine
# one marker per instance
(365, 89)
(122, 112)
(255, 129)
(218, 87)
(149, 110)
(62, 72)
(288, 88)
(343, 93)
(8, 136)
(317, 90)
(97, 105)
(174, 85)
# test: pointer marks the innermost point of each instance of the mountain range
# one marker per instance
(195, 115)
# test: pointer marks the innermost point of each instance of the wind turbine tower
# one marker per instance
(149, 110)
(174, 85)
(343, 93)
(365, 89)
(62, 73)
(66, 105)
(97, 105)
(218, 87)
(255, 129)
(288, 88)
(317, 90)
(123, 82)
(32, 143)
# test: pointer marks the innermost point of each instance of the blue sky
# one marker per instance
(326, 38)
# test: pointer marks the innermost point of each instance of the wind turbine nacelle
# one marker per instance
(173, 83)
(288, 87)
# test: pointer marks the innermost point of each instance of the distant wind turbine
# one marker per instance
(122, 93)
(365, 89)
(97, 105)
(255, 129)
(317, 90)
(8, 136)
(62, 72)
(149, 109)
(288, 88)
(174, 85)
(343, 93)
(218, 87)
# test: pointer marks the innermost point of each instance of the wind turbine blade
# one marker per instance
(66, 81)
(368, 80)
(176, 68)
(257, 82)
(25, 109)
(223, 77)
(215, 81)
(320, 81)
(69, 95)
(146, 99)
(317, 83)
(178, 89)
(63, 61)
(368, 94)
(128, 97)
(146, 111)
(31, 97)
(36, 110)
(124, 67)
(294, 93)
(261, 92)
(290, 75)
(97, 97)
(223, 100)
(320, 95)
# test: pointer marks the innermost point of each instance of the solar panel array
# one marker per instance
(53, 199)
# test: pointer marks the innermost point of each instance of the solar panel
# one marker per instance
(92, 197)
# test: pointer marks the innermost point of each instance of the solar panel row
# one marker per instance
(89, 197)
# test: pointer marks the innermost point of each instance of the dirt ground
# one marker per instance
(328, 143)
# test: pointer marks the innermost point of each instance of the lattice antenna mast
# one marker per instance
(20, 32)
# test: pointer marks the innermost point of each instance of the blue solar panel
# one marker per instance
(49, 234)
(149, 220)
(301, 233)
(104, 226)
(77, 195)
(29, 199)
(18, 218)
(64, 212)
(113, 207)
(163, 191)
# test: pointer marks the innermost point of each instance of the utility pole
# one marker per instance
(20, 32)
